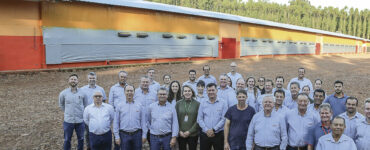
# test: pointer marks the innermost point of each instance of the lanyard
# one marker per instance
(187, 108)
(323, 129)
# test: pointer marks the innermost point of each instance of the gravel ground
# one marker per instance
(31, 119)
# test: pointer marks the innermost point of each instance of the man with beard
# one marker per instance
(279, 81)
(319, 96)
(321, 128)
(336, 140)
(291, 101)
(240, 85)
(116, 92)
(207, 78)
(73, 101)
(225, 92)
(338, 99)
(233, 74)
(301, 79)
(362, 132)
(89, 90)
(351, 116)
(192, 82)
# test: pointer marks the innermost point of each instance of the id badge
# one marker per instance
(186, 118)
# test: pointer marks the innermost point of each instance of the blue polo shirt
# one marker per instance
(338, 105)
(316, 132)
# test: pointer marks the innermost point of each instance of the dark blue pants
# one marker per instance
(101, 142)
(157, 142)
(131, 142)
(68, 132)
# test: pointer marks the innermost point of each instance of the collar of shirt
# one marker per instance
(165, 104)
(357, 115)
(214, 102)
(344, 95)
(341, 139)
(226, 88)
(102, 105)
(365, 122)
(77, 90)
(132, 102)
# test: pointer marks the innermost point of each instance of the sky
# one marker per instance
(360, 4)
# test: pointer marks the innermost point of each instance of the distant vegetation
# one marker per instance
(349, 21)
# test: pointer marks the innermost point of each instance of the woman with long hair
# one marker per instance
(253, 92)
(174, 93)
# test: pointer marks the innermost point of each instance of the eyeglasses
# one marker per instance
(98, 96)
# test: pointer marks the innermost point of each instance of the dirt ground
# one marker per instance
(31, 119)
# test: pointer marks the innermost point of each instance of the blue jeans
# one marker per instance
(101, 142)
(68, 132)
(157, 142)
(131, 142)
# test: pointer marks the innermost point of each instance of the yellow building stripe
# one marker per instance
(258, 31)
(338, 40)
(19, 18)
(94, 16)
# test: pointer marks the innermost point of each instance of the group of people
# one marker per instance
(233, 114)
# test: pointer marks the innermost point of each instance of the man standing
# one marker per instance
(207, 78)
(144, 94)
(225, 92)
(269, 85)
(267, 129)
(192, 80)
(336, 140)
(129, 126)
(116, 92)
(211, 120)
(298, 123)
(362, 134)
(233, 74)
(89, 90)
(338, 99)
(301, 79)
(279, 81)
(162, 122)
(73, 101)
(279, 107)
(351, 116)
(321, 128)
(99, 117)
(153, 84)
(240, 85)
(291, 101)
(319, 96)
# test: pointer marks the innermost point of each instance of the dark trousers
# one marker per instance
(101, 142)
(237, 148)
(87, 141)
(157, 142)
(217, 141)
(191, 141)
(296, 148)
(131, 142)
(68, 132)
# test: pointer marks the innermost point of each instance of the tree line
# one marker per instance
(350, 21)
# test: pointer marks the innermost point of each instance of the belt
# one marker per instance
(268, 148)
(130, 133)
(298, 148)
(162, 135)
(100, 134)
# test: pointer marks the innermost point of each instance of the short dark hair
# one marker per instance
(304, 70)
(201, 83)
(192, 70)
(150, 69)
(338, 81)
(92, 74)
(207, 66)
(353, 98)
(211, 84)
(279, 91)
(338, 117)
(166, 75)
(319, 91)
(296, 83)
(279, 77)
(269, 80)
(75, 75)
(241, 92)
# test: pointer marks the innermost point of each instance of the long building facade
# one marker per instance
(38, 35)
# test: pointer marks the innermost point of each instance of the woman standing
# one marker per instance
(237, 122)
(187, 112)
(174, 93)
(253, 93)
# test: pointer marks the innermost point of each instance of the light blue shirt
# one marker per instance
(302, 83)
(208, 80)
(315, 112)
(228, 95)
(338, 105)
(99, 119)
(145, 99)
(283, 110)
(327, 142)
(351, 123)
(234, 77)
(116, 95)
(90, 92)
(162, 119)
(193, 85)
(211, 115)
(73, 105)
(202, 99)
(252, 100)
(290, 103)
(155, 86)
(130, 117)
(362, 135)
(298, 127)
(267, 131)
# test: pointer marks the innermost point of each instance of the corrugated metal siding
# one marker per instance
(336, 48)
